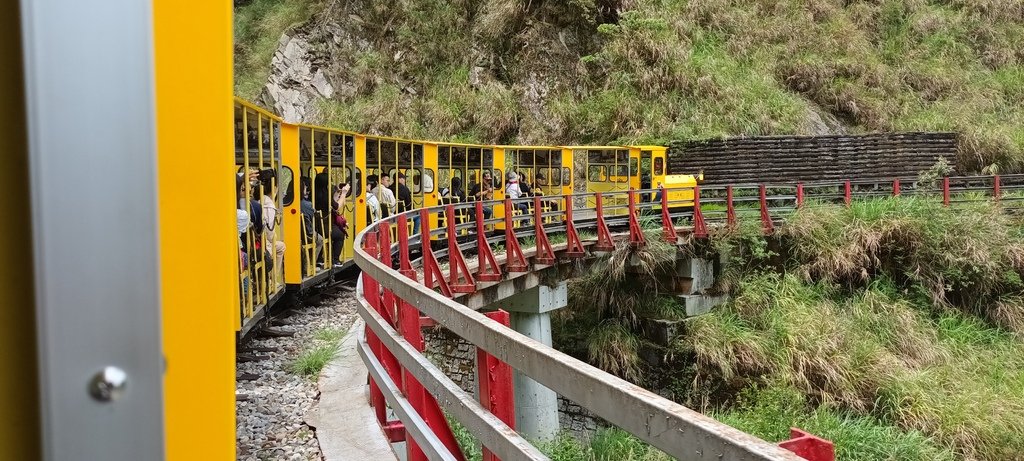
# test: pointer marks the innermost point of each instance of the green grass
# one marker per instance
(325, 347)
(769, 413)
(258, 27)
(311, 361)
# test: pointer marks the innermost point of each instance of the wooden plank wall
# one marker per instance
(771, 159)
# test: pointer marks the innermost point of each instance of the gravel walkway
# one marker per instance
(270, 423)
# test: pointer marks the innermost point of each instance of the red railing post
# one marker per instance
(997, 192)
(604, 236)
(766, 217)
(799, 194)
(730, 210)
(896, 187)
(809, 446)
(487, 267)
(432, 277)
(847, 193)
(668, 228)
(404, 262)
(459, 278)
(636, 234)
(409, 327)
(544, 254)
(700, 228)
(372, 295)
(573, 244)
(514, 259)
(945, 191)
(494, 379)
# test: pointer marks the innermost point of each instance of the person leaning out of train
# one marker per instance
(271, 214)
(484, 190)
(373, 207)
(309, 218)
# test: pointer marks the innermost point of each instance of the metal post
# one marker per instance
(636, 234)
(573, 244)
(432, 277)
(730, 210)
(896, 187)
(700, 229)
(847, 193)
(514, 259)
(604, 236)
(996, 188)
(668, 227)
(404, 262)
(799, 194)
(544, 254)
(766, 217)
(945, 191)
(487, 267)
(459, 278)
(494, 379)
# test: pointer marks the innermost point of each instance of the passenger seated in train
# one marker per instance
(524, 185)
(271, 214)
(484, 190)
(455, 192)
(385, 196)
(310, 232)
(513, 192)
(373, 206)
(405, 202)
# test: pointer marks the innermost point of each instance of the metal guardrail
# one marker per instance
(393, 300)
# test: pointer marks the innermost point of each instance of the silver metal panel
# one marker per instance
(91, 122)
(679, 431)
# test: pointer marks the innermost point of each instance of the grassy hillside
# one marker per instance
(599, 71)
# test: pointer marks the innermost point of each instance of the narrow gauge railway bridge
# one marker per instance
(397, 302)
(119, 255)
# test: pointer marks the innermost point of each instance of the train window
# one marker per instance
(634, 167)
(357, 183)
(285, 185)
(566, 176)
(496, 178)
(595, 173)
(427, 180)
(659, 166)
(622, 174)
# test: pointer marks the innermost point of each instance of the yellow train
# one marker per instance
(289, 175)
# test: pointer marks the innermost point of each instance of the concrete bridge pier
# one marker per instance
(536, 405)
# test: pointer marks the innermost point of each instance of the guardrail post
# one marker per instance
(432, 277)
(700, 228)
(487, 266)
(604, 236)
(896, 187)
(799, 194)
(997, 192)
(372, 296)
(544, 254)
(404, 262)
(459, 278)
(847, 193)
(573, 244)
(514, 259)
(809, 446)
(945, 191)
(668, 231)
(766, 217)
(409, 327)
(494, 380)
(387, 307)
(730, 210)
(636, 234)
